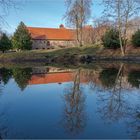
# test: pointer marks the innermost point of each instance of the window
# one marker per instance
(48, 43)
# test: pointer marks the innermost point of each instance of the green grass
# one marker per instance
(76, 50)
(41, 54)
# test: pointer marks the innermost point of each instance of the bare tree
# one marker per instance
(121, 11)
(100, 27)
(77, 15)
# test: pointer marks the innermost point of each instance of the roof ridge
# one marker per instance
(49, 28)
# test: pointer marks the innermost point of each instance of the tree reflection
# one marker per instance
(114, 105)
(108, 77)
(6, 74)
(91, 78)
(134, 78)
(74, 119)
(22, 76)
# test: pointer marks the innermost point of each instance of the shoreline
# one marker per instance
(85, 61)
(89, 58)
(69, 58)
(72, 56)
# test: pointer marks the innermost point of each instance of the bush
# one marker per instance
(136, 39)
(5, 43)
(22, 38)
(111, 39)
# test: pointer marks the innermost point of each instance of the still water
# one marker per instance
(48, 102)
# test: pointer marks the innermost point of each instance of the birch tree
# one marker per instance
(77, 15)
(121, 12)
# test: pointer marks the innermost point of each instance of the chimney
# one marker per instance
(61, 26)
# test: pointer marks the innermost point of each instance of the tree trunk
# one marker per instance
(81, 37)
(121, 44)
(119, 27)
(126, 28)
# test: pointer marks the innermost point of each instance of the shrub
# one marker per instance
(22, 38)
(136, 39)
(111, 39)
(5, 43)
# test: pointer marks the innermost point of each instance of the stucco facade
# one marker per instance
(62, 44)
(40, 44)
(46, 44)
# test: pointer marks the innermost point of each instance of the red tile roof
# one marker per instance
(52, 33)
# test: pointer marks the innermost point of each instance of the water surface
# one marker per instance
(48, 102)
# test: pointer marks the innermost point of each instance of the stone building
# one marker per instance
(47, 38)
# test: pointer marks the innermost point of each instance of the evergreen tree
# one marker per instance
(22, 38)
(111, 39)
(136, 39)
(5, 43)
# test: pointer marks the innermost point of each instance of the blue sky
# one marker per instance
(41, 13)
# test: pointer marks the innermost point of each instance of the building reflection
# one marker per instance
(54, 75)
(108, 78)
(49, 78)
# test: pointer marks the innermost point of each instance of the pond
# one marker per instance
(99, 102)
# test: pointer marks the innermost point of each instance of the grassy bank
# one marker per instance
(39, 56)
